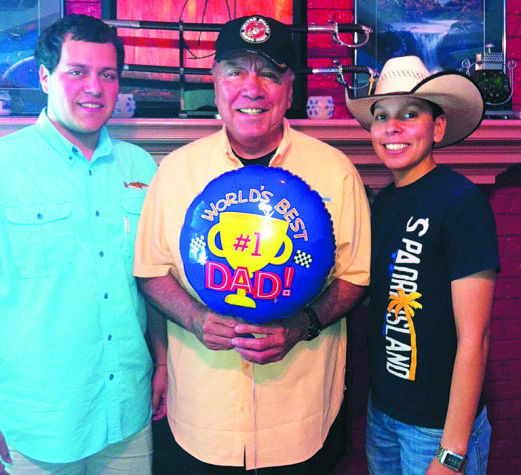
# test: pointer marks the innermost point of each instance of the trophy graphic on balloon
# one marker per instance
(251, 242)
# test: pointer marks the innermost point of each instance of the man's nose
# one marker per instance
(252, 86)
(93, 85)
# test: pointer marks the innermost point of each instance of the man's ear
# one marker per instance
(440, 125)
(290, 98)
(44, 75)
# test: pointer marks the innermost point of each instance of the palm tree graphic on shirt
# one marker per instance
(407, 303)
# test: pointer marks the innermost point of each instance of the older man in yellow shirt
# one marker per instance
(237, 403)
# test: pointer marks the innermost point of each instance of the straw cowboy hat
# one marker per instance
(457, 95)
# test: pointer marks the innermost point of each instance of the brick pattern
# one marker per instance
(503, 377)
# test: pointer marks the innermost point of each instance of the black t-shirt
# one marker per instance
(435, 230)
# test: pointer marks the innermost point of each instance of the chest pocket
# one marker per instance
(41, 237)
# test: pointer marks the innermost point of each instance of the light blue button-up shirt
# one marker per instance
(74, 366)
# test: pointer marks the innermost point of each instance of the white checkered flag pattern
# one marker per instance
(197, 244)
(302, 258)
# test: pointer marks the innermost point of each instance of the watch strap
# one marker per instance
(315, 327)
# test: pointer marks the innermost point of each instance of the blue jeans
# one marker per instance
(395, 448)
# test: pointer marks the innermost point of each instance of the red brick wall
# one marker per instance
(503, 378)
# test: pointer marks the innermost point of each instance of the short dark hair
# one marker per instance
(435, 108)
(81, 28)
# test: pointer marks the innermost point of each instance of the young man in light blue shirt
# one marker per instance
(74, 365)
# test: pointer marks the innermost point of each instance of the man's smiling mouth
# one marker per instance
(251, 111)
(395, 146)
(91, 105)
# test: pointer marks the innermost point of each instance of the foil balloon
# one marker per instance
(257, 243)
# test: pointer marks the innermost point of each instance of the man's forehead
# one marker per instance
(79, 52)
(69, 41)
(248, 58)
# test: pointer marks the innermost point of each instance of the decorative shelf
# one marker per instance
(490, 150)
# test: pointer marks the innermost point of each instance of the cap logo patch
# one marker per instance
(255, 30)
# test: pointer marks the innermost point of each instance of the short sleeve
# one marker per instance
(469, 234)
(354, 233)
(152, 256)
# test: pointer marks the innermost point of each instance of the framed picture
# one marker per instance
(162, 94)
(21, 22)
(443, 33)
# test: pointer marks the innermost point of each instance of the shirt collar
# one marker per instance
(284, 145)
(65, 148)
(277, 158)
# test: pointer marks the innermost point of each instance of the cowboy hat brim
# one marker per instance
(457, 94)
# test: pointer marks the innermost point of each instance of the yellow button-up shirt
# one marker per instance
(224, 410)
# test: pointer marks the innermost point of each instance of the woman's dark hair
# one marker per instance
(435, 108)
(81, 28)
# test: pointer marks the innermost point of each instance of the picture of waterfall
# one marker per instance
(442, 33)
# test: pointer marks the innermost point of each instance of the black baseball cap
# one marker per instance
(256, 34)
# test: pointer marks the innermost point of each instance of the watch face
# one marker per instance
(452, 461)
(495, 86)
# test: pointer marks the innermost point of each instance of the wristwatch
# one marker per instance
(452, 460)
(315, 327)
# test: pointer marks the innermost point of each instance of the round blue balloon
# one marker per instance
(257, 243)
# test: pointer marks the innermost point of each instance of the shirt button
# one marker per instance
(101, 253)
(39, 216)
(97, 213)
(105, 296)
(109, 338)
(90, 172)
(74, 150)
(111, 377)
